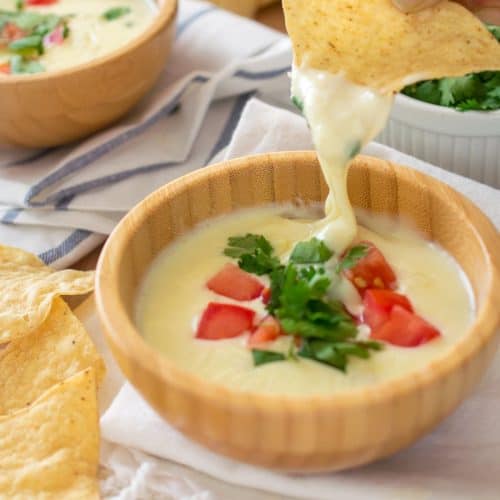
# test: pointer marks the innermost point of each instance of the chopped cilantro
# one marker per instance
(19, 5)
(263, 357)
(254, 253)
(298, 103)
(299, 300)
(477, 91)
(352, 257)
(115, 13)
(27, 45)
(20, 66)
(313, 251)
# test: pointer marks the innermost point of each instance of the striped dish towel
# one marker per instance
(61, 203)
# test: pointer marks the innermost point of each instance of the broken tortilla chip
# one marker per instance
(376, 45)
(28, 288)
(58, 349)
(50, 450)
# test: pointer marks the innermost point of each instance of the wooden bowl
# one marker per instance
(313, 433)
(53, 108)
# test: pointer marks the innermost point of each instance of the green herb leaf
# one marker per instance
(264, 357)
(254, 253)
(313, 251)
(115, 13)
(19, 66)
(19, 5)
(27, 44)
(353, 256)
(298, 103)
(478, 91)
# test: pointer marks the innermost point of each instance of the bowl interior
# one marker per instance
(435, 210)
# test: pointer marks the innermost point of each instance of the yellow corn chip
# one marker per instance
(50, 450)
(377, 45)
(28, 288)
(55, 351)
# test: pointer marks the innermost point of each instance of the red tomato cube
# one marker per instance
(379, 303)
(405, 329)
(224, 321)
(233, 282)
(268, 330)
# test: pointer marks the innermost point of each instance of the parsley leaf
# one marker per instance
(298, 103)
(115, 13)
(255, 253)
(261, 357)
(313, 251)
(477, 91)
(353, 256)
(20, 66)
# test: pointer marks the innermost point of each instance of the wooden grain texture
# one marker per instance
(248, 8)
(53, 108)
(302, 433)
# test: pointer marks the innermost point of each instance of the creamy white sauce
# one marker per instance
(90, 35)
(343, 117)
(173, 296)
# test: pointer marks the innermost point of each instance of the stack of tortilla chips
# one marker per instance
(49, 428)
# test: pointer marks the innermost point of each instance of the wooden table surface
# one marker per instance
(271, 16)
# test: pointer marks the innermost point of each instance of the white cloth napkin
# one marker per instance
(59, 203)
(461, 459)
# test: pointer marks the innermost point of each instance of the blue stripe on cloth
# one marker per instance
(11, 215)
(67, 246)
(90, 156)
(232, 122)
(183, 25)
(73, 191)
(262, 75)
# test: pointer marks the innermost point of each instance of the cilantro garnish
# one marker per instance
(352, 257)
(298, 103)
(477, 91)
(261, 357)
(255, 253)
(115, 13)
(313, 251)
(18, 65)
(300, 301)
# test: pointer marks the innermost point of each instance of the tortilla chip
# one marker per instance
(50, 450)
(377, 45)
(28, 288)
(57, 350)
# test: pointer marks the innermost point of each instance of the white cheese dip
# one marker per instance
(91, 35)
(343, 117)
(173, 296)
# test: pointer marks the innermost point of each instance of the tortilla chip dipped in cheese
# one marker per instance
(55, 351)
(28, 288)
(376, 45)
(51, 448)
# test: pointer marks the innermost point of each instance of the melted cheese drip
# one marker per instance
(90, 36)
(173, 296)
(342, 117)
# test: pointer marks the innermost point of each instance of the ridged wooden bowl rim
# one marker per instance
(121, 330)
(167, 10)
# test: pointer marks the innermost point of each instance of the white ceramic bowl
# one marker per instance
(467, 143)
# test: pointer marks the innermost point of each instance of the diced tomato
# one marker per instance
(10, 32)
(233, 282)
(41, 2)
(5, 68)
(372, 271)
(405, 329)
(266, 295)
(224, 321)
(379, 303)
(268, 330)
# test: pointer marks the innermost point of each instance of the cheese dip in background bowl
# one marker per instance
(73, 67)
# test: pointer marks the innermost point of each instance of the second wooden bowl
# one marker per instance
(319, 432)
(53, 108)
